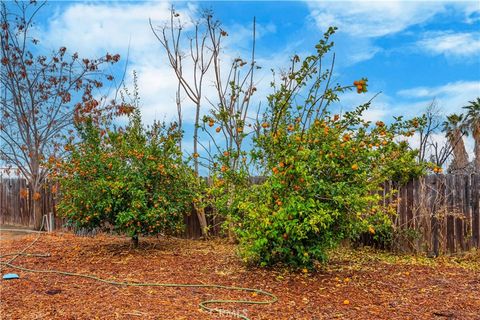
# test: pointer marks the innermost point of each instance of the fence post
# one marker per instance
(52, 221)
(460, 214)
(476, 209)
(434, 192)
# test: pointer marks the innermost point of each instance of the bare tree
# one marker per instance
(170, 37)
(37, 95)
(233, 87)
(200, 55)
(430, 124)
(429, 148)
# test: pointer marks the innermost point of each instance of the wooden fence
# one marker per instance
(16, 203)
(437, 213)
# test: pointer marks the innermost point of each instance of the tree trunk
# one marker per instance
(460, 155)
(195, 139)
(36, 206)
(476, 137)
(135, 240)
(199, 211)
(37, 215)
(202, 220)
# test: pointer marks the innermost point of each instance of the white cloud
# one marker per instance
(363, 54)
(372, 19)
(461, 44)
(471, 11)
(95, 29)
(124, 27)
(451, 96)
(362, 22)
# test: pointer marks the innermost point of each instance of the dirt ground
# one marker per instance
(11, 232)
(356, 284)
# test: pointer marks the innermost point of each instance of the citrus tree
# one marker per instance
(130, 180)
(323, 171)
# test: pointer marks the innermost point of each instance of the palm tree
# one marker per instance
(472, 124)
(454, 131)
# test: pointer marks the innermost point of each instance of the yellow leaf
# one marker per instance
(346, 302)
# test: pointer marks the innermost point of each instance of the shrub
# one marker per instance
(324, 172)
(131, 180)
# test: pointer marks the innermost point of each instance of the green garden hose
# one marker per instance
(203, 304)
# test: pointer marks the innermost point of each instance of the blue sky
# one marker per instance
(411, 51)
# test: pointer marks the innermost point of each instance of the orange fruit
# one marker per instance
(354, 166)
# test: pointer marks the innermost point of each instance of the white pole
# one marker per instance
(52, 221)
